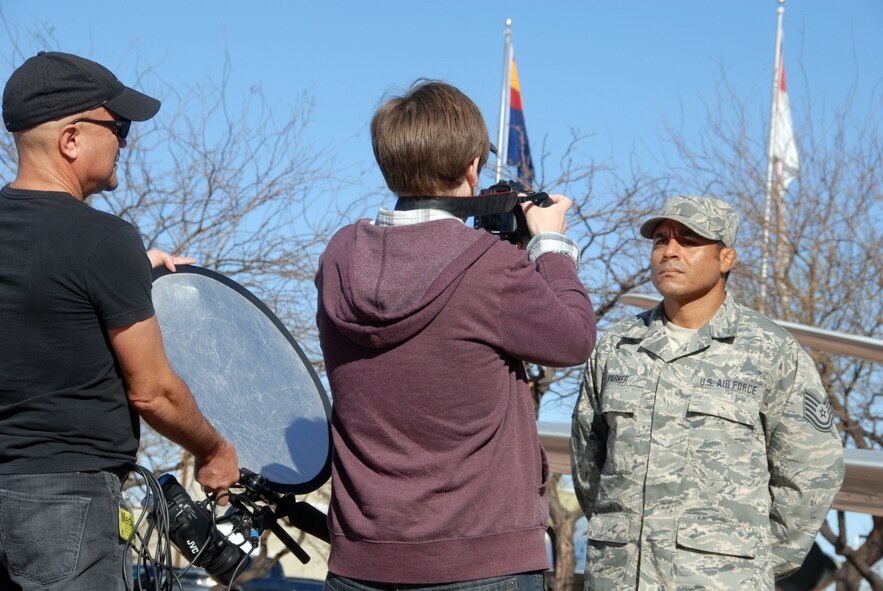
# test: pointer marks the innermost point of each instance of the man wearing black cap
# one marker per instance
(81, 354)
(704, 451)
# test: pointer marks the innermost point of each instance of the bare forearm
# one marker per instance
(167, 405)
(172, 412)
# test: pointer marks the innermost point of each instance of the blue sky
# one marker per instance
(617, 70)
(620, 71)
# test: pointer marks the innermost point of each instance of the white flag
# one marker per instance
(785, 161)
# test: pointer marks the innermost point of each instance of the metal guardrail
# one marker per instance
(862, 490)
(838, 343)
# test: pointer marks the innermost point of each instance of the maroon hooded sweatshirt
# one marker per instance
(438, 472)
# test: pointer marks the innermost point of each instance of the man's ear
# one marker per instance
(727, 259)
(472, 173)
(69, 142)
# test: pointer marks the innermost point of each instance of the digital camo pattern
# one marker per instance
(697, 465)
(707, 216)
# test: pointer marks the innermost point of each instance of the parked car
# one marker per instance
(189, 579)
(277, 581)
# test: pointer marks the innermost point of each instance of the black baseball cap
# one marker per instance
(52, 85)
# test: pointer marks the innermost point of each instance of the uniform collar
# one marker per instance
(648, 328)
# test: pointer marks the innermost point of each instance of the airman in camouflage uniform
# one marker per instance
(707, 458)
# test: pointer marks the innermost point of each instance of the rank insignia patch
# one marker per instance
(818, 412)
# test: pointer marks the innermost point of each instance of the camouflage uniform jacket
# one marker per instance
(707, 466)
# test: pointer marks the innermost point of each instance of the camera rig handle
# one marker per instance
(300, 514)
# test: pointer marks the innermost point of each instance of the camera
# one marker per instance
(192, 529)
(510, 225)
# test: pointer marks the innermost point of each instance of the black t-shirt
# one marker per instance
(67, 273)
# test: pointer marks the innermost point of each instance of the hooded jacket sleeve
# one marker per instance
(546, 316)
(805, 458)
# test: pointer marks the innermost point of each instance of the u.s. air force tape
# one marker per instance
(818, 412)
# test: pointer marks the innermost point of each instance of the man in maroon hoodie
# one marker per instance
(439, 477)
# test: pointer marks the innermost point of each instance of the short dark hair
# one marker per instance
(425, 139)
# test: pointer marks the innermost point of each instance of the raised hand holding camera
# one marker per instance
(548, 216)
(500, 214)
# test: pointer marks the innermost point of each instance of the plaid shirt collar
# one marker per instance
(389, 217)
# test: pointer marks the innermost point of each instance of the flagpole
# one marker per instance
(768, 193)
(502, 136)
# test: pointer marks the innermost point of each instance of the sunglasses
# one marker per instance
(120, 127)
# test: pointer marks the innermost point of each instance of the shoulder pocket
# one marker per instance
(620, 399)
(724, 439)
(619, 406)
(742, 410)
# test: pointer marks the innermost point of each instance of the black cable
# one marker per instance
(152, 539)
(154, 554)
(213, 503)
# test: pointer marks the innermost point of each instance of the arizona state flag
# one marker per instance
(518, 150)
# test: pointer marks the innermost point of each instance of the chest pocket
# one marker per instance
(619, 405)
(724, 435)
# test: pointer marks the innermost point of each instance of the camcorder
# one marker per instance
(495, 209)
(192, 528)
(509, 224)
